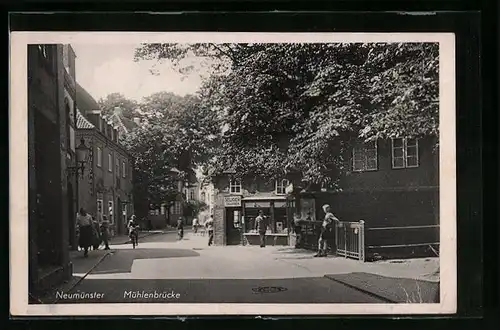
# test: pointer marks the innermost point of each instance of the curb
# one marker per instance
(370, 293)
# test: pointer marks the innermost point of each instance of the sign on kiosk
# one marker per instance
(232, 201)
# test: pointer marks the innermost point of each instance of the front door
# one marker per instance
(233, 226)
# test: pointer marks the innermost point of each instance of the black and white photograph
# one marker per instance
(222, 173)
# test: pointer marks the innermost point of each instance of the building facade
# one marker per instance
(237, 203)
(392, 185)
(107, 188)
(51, 153)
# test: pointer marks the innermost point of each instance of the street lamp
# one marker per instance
(82, 155)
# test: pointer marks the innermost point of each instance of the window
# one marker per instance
(117, 166)
(191, 194)
(281, 186)
(364, 158)
(404, 153)
(203, 197)
(99, 208)
(177, 207)
(110, 162)
(110, 212)
(99, 157)
(111, 133)
(235, 187)
(124, 169)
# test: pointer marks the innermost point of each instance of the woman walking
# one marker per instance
(84, 223)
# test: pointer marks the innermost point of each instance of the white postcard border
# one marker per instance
(18, 151)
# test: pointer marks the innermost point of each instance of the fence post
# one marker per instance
(345, 239)
(361, 240)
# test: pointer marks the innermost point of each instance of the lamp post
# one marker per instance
(82, 155)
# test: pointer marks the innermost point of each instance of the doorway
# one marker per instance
(119, 218)
(233, 226)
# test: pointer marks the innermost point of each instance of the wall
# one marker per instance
(426, 175)
(48, 229)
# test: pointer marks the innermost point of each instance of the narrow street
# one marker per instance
(162, 269)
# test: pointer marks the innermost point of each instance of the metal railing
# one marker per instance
(350, 239)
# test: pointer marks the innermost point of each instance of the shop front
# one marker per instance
(277, 218)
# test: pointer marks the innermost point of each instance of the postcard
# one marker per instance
(232, 173)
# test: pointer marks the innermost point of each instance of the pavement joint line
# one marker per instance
(88, 272)
(370, 293)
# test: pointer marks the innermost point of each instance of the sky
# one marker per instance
(104, 69)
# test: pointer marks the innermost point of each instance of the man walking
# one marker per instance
(209, 225)
(105, 232)
(261, 227)
(329, 223)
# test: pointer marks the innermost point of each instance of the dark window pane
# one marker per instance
(398, 152)
(411, 151)
(398, 163)
(411, 142)
(411, 161)
(358, 165)
(371, 153)
(397, 143)
(371, 164)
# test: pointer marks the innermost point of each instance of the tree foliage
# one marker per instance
(175, 135)
(297, 107)
(127, 106)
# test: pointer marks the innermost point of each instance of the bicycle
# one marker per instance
(133, 237)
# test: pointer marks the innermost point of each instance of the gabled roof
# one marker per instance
(82, 122)
(84, 100)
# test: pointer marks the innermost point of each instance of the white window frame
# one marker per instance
(280, 186)
(405, 153)
(110, 162)
(111, 215)
(235, 186)
(99, 157)
(124, 169)
(362, 149)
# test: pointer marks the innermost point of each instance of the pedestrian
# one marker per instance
(297, 223)
(96, 237)
(327, 226)
(132, 227)
(209, 225)
(195, 225)
(105, 232)
(261, 227)
(180, 228)
(84, 224)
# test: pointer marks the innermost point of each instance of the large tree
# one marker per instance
(113, 100)
(176, 134)
(296, 106)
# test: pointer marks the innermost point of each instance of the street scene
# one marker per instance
(234, 173)
(163, 269)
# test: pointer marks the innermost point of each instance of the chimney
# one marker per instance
(137, 120)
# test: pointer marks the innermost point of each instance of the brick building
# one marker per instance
(51, 153)
(107, 186)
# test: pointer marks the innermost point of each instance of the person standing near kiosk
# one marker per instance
(261, 227)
